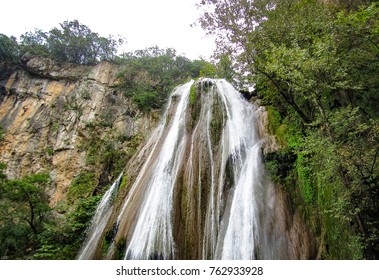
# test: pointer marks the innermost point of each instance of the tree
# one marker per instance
(9, 56)
(8, 49)
(34, 43)
(29, 200)
(149, 75)
(72, 42)
(24, 210)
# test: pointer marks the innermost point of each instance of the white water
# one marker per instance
(99, 221)
(232, 235)
(236, 239)
(152, 236)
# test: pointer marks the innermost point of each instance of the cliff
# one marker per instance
(57, 119)
(72, 123)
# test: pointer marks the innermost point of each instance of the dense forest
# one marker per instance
(314, 64)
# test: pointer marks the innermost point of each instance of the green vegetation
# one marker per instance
(8, 49)
(315, 65)
(81, 187)
(28, 227)
(24, 213)
(64, 236)
(1, 133)
(71, 42)
(150, 75)
(106, 150)
(192, 96)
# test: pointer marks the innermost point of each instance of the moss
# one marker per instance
(192, 96)
(120, 249)
(217, 122)
(229, 174)
(2, 132)
(85, 94)
(109, 236)
(50, 151)
(123, 182)
(194, 100)
(206, 86)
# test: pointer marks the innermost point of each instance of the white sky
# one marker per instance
(143, 23)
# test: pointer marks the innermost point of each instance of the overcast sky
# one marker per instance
(143, 23)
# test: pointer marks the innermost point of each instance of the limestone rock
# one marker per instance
(270, 143)
(48, 68)
(45, 111)
(105, 73)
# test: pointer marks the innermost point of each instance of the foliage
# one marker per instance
(9, 56)
(8, 49)
(316, 66)
(24, 213)
(72, 42)
(34, 43)
(27, 228)
(224, 68)
(63, 237)
(208, 70)
(280, 164)
(149, 75)
(192, 96)
(82, 186)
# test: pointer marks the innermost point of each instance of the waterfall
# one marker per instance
(238, 227)
(200, 191)
(152, 236)
(99, 221)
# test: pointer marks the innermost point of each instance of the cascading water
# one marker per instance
(201, 192)
(152, 236)
(99, 221)
(233, 222)
(239, 225)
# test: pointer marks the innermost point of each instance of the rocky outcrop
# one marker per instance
(47, 111)
(48, 68)
(270, 143)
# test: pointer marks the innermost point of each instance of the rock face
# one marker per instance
(47, 111)
(270, 144)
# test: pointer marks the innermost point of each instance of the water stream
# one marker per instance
(99, 221)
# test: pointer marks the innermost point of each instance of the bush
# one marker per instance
(81, 187)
